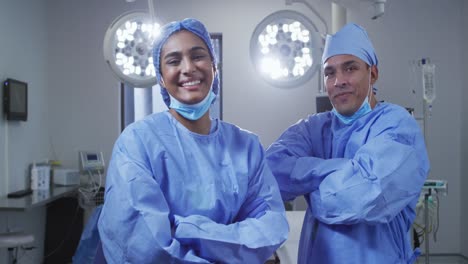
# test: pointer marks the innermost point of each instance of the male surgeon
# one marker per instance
(360, 167)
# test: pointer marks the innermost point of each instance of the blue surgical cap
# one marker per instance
(197, 28)
(352, 40)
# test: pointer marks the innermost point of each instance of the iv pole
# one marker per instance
(426, 225)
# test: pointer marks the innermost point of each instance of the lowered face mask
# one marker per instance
(363, 110)
(193, 111)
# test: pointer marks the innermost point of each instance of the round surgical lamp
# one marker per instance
(285, 49)
(128, 49)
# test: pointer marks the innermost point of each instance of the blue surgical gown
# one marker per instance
(361, 182)
(174, 196)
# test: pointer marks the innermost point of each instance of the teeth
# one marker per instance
(191, 83)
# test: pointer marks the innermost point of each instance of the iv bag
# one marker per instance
(429, 90)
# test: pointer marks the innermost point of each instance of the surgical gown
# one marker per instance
(174, 196)
(361, 182)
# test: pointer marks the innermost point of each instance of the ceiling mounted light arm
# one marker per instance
(128, 49)
(290, 2)
(152, 10)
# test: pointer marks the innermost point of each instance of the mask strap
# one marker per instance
(369, 91)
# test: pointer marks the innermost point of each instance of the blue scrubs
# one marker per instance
(174, 196)
(361, 182)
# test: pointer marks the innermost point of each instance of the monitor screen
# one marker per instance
(323, 103)
(15, 99)
(92, 157)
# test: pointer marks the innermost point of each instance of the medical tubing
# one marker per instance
(90, 192)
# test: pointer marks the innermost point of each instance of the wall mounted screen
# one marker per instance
(15, 99)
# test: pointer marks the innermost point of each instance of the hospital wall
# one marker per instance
(464, 150)
(23, 56)
(74, 97)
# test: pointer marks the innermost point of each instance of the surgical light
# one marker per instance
(285, 48)
(128, 48)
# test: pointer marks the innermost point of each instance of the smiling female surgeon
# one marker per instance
(182, 187)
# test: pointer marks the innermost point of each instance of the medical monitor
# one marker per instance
(15, 100)
(323, 103)
(91, 161)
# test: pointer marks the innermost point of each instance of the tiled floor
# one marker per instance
(435, 259)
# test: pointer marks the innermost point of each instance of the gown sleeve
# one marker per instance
(259, 229)
(381, 178)
(134, 225)
(296, 158)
